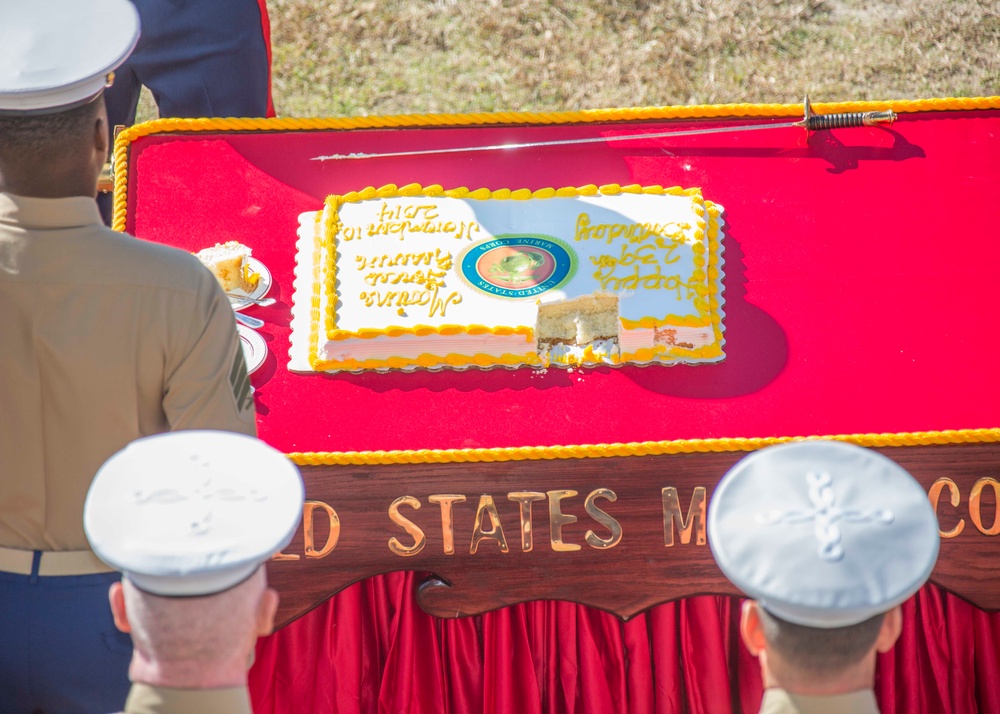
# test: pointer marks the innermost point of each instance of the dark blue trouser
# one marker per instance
(60, 652)
(199, 58)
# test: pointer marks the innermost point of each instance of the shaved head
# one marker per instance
(820, 650)
(195, 642)
(54, 155)
(31, 135)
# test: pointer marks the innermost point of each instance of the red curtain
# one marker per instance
(371, 649)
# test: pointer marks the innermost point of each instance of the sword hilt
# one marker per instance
(844, 120)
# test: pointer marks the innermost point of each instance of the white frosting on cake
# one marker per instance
(438, 281)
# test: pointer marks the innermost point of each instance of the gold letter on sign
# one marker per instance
(284, 556)
(447, 524)
(603, 518)
(487, 506)
(307, 529)
(672, 511)
(558, 519)
(525, 499)
(411, 528)
(935, 495)
(975, 505)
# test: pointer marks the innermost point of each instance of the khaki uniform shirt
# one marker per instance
(146, 699)
(103, 339)
(779, 701)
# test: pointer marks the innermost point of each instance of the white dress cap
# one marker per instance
(192, 512)
(55, 54)
(822, 533)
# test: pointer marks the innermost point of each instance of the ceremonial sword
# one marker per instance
(809, 122)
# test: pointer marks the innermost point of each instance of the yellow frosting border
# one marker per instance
(640, 448)
(588, 116)
(328, 222)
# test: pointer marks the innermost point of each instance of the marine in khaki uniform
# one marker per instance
(190, 518)
(829, 539)
(103, 339)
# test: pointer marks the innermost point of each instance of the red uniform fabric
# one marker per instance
(265, 26)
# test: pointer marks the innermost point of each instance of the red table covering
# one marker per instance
(860, 267)
(861, 271)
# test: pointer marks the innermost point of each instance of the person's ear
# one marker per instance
(101, 141)
(267, 608)
(750, 628)
(116, 594)
(892, 627)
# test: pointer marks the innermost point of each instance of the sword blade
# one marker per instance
(562, 142)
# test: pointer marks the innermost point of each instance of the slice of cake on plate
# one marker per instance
(228, 263)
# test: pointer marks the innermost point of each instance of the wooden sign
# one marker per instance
(621, 534)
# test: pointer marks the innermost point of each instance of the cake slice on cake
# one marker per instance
(580, 330)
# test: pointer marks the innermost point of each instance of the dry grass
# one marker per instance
(336, 57)
(345, 58)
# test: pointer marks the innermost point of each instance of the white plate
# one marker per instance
(254, 348)
(263, 285)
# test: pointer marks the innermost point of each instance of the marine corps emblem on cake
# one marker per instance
(518, 266)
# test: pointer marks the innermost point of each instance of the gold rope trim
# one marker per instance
(698, 111)
(640, 448)
(119, 162)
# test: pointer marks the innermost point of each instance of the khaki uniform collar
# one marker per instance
(780, 701)
(147, 699)
(46, 213)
